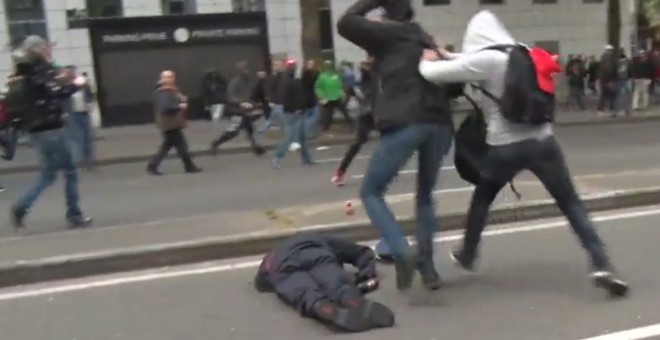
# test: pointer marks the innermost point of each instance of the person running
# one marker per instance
(365, 92)
(514, 146)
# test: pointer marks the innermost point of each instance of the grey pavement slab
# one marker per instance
(531, 285)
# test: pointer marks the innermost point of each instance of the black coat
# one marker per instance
(405, 97)
(308, 81)
(305, 251)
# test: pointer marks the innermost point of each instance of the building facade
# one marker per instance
(563, 26)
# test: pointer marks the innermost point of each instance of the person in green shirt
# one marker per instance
(330, 91)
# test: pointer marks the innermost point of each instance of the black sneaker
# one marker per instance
(18, 217)
(607, 280)
(430, 277)
(259, 150)
(349, 320)
(194, 170)
(385, 259)
(379, 314)
(464, 262)
(405, 271)
(80, 221)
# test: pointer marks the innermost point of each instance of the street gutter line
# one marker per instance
(92, 283)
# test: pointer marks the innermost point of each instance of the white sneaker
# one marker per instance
(294, 147)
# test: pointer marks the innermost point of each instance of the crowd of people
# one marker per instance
(404, 90)
(622, 85)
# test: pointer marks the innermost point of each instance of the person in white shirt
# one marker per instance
(513, 147)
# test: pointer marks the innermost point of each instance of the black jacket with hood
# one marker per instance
(397, 44)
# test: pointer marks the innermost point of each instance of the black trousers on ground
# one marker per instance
(365, 125)
(173, 139)
(545, 160)
(238, 124)
(328, 111)
(300, 289)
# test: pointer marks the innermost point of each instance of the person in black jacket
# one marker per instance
(412, 115)
(241, 109)
(50, 87)
(307, 272)
(294, 122)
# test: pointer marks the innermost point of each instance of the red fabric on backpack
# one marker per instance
(546, 68)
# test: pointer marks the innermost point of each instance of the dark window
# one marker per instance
(22, 29)
(178, 7)
(436, 2)
(20, 10)
(551, 46)
(248, 5)
(593, 1)
(104, 8)
(325, 25)
(545, 1)
(491, 2)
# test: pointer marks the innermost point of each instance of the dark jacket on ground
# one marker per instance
(405, 97)
(308, 82)
(167, 111)
(305, 251)
(49, 94)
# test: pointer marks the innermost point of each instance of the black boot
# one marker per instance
(426, 266)
(349, 320)
(378, 314)
(405, 271)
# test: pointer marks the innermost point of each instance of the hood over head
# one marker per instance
(484, 30)
(398, 10)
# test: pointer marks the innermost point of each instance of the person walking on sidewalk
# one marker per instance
(330, 91)
(44, 122)
(311, 109)
(294, 121)
(170, 109)
(81, 128)
(413, 116)
(515, 146)
(241, 109)
(642, 71)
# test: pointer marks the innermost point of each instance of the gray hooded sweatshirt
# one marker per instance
(485, 68)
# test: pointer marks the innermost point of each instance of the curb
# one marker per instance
(144, 158)
(217, 248)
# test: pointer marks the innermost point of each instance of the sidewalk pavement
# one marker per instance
(138, 143)
(79, 253)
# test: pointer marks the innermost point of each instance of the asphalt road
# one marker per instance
(531, 285)
(124, 194)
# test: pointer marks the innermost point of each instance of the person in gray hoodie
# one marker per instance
(513, 147)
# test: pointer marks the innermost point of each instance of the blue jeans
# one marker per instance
(311, 116)
(293, 128)
(82, 135)
(431, 142)
(54, 155)
(276, 117)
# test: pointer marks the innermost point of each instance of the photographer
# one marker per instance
(45, 87)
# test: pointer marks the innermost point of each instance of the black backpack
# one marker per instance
(20, 100)
(523, 101)
(470, 147)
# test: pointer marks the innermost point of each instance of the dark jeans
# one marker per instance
(238, 123)
(575, 97)
(54, 155)
(431, 142)
(173, 139)
(328, 111)
(608, 95)
(365, 125)
(545, 160)
(83, 136)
